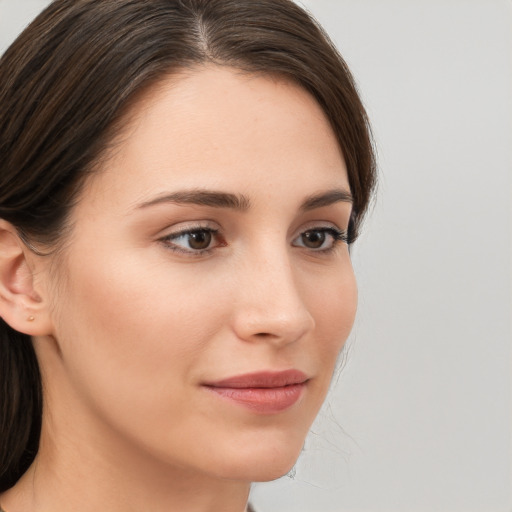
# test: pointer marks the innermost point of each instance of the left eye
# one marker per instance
(320, 239)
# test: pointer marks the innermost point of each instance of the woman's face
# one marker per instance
(206, 258)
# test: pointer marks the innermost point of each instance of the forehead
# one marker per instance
(221, 128)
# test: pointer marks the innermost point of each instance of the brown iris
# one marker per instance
(199, 239)
(313, 239)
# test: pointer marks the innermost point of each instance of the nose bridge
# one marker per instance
(270, 304)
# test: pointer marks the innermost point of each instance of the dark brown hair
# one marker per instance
(65, 85)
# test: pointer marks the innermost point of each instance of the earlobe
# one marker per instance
(21, 306)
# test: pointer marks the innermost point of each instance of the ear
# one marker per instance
(21, 305)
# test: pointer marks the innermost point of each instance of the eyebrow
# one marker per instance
(326, 199)
(203, 198)
(240, 202)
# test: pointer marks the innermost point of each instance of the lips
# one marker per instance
(262, 392)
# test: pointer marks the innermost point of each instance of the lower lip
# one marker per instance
(262, 400)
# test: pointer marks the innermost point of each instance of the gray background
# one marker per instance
(420, 416)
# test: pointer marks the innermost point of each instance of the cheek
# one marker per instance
(334, 307)
(131, 332)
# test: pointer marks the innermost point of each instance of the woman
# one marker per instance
(179, 185)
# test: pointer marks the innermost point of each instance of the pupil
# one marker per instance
(200, 240)
(314, 239)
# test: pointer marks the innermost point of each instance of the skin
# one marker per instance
(127, 329)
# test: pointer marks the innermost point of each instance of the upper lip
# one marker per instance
(264, 379)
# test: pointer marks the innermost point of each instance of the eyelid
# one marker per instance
(183, 227)
(320, 225)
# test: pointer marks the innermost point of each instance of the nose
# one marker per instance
(269, 303)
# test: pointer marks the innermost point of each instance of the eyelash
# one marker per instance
(338, 236)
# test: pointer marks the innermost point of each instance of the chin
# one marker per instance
(262, 462)
(261, 470)
(272, 471)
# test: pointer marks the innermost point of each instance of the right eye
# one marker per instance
(194, 241)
